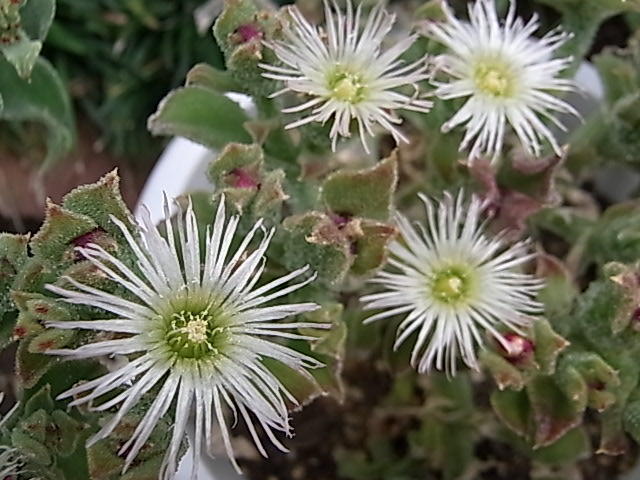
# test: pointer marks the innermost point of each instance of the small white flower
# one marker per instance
(197, 327)
(345, 72)
(9, 462)
(507, 74)
(452, 282)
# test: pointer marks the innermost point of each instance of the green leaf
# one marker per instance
(203, 75)
(552, 413)
(599, 378)
(100, 201)
(371, 247)
(30, 448)
(330, 344)
(299, 383)
(548, 345)
(583, 18)
(233, 157)
(103, 463)
(41, 400)
(513, 409)
(201, 115)
(504, 373)
(31, 367)
(632, 420)
(67, 432)
(146, 471)
(36, 425)
(13, 256)
(54, 242)
(43, 99)
(235, 14)
(314, 239)
(50, 339)
(37, 16)
(573, 446)
(560, 290)
(364, 193)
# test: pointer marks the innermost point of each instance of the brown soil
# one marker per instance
(24, 189)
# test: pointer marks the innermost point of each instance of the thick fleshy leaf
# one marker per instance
(240, 31)
(203, 75)
(572, 447)
(53, 244)
(632, 419)
(560, 289)
(100, 201)
(504, 373)
(36, 18)
(66, 434)
(36, 425)
(513, 409)
(553, 414)
(364, 193)
(371, 247)
(316, 240)
(330, 344)
(304, 388)
(43, 99)
(548, 345)
(103, 463)
(31, 367)
(41, 400)
(583, 17)
(50, 339)
(13, 256)
(202, 115)
(35, 450)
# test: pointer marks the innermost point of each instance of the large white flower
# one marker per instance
(345, 72)
(507, 74)
(195, 328)
(453, 282)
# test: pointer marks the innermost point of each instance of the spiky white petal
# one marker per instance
(345, 72)
(10, 461)
(199, 329)
(452, 282)
(507, 75)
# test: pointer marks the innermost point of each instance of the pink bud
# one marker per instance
(340, 219)
(248, 32)
(86, 239)
(242, 179)
(518, 349)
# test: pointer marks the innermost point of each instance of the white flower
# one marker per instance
(197, 327)
(9, 462)
(345, 72)
(507, 74)
(452, 282)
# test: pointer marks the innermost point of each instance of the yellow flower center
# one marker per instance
(346, 87)
(196, 329)
(494, 78)
(195, 334)
(450, 285)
